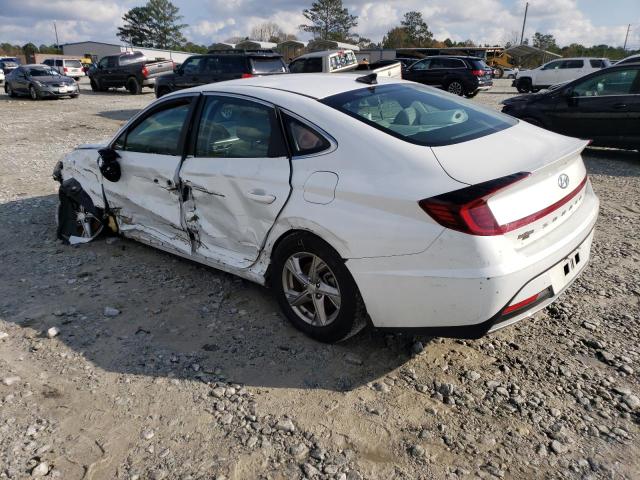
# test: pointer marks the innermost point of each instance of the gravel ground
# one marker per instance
(120, 361)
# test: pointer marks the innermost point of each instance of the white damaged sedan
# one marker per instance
(352, 198)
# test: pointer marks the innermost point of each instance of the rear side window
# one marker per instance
(232, 64)
(268, 65)
(73, 63)
(572, 64)
(238, 128)
(597, 63)
(304, 139)
(419, 115)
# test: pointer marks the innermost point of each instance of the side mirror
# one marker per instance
(108, 164)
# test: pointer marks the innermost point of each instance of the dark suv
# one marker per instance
(455, 74)
(217, 66)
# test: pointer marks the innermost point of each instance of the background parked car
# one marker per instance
(40, 81)
(457, 74)
(328, 61)
(69, 67)
(603, 106)
(130, 70)
(510, 72)
(7, 66)
(630, 59)
(217, 66)
(1, 77)
(557, 71)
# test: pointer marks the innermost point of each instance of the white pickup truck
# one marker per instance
(342, 61)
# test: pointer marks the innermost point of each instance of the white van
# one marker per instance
(65, 66)
(557, 71)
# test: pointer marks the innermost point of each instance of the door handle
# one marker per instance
(620, 106)
(261, 197)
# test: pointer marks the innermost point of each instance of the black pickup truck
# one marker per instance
(130, 70)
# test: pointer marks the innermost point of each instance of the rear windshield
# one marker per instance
(73, 63)
(268, 65)
(480, 65)
(419, 114)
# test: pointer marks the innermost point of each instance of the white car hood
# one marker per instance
(521, 148)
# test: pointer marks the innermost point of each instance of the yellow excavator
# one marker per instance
(498, 59)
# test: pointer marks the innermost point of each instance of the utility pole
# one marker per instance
(55, 28)
(524, 22)
(626, 37)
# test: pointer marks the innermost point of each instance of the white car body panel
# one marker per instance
(361, 196)
(544, 77)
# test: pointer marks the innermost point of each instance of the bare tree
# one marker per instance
(266, 31)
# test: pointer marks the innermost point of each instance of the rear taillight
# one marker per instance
(246, 75)
(477, 73)
(466, 210)
(145, 72)
(65, 69)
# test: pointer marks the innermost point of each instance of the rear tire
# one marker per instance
(95, 85)
(524, 85)
(500, 73)
(133, 86)
(315, 290)
(455, 87)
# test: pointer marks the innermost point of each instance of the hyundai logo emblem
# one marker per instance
(563, 180)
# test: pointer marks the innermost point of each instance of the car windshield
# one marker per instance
(42, 72)
(419, 114)
(268, 65)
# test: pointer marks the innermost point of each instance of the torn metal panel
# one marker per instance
(146, 199)
(230, 205)
(82, 165)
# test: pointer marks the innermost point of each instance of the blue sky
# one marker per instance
(493, 21)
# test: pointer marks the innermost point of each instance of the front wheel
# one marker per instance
(33, 93)
(455, 87)
(524, 85)
(315, 289)
(75, 223)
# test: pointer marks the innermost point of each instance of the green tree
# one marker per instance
(397, 37)
(330, 20)
(544, 42)
(156, 24)
(137, 27)
(194, 48)
(417, 29)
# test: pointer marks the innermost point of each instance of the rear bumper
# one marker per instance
(420, 293)
(149, 82)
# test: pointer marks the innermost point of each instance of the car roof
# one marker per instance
(314, 85)
(460, 57)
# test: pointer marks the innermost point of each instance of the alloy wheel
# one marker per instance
(455, 88)
(87, 225)
(311, 289)
(33, 93)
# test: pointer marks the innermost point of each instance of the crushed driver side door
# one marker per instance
(146, 198)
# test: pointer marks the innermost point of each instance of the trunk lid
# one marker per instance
(540, 202)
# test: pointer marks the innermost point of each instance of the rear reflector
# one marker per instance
(519, 305)
(145, 72)
(246, 75)
(467, 210)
